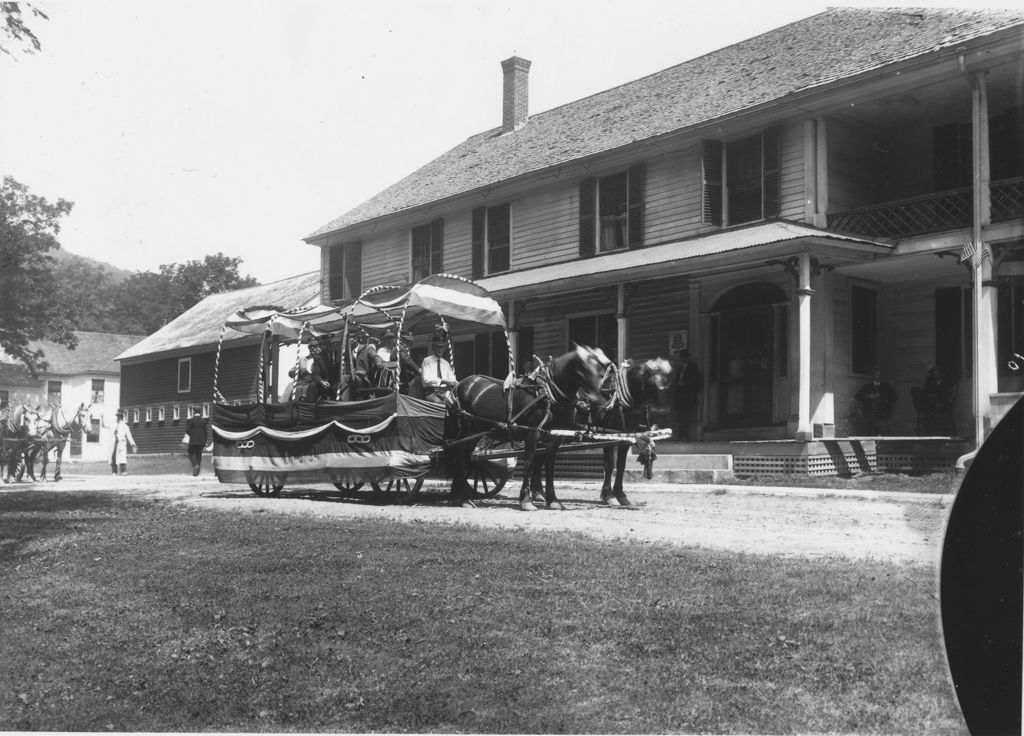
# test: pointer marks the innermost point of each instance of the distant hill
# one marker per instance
(62, 255)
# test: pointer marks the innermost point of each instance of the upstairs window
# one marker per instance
(427, 249)
(184, 375)
(98, 390)
(5, 398)
(611, 211)
(741, 179)
(344, 271)
(492, 240)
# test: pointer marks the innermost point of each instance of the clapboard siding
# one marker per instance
(545, 217)
(154, 384)
(549, 317)
(656, 309)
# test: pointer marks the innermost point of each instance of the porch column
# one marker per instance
(816, 172)
(804, 430)
(696, 347)
(985, 301)
(513, 335)
(622, 335)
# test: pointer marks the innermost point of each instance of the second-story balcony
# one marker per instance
(931, 213)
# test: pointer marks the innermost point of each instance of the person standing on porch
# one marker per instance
(876, 400)
(687, 384)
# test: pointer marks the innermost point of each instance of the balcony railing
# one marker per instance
(930, 213)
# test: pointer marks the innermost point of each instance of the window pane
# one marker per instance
(498, 239)
(184, 375)
(420, 252)
(612, 209)
(743, 179)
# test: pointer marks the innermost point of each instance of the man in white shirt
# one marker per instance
(437, 374)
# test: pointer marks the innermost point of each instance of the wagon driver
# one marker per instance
(437, 374)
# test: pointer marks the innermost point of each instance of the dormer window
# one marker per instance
(611, 211)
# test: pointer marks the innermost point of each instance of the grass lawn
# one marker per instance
(127, 615)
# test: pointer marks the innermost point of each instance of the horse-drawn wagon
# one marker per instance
(379, 437)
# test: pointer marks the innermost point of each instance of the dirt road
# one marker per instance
(793, 522)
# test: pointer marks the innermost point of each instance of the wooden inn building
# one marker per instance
(795, 209)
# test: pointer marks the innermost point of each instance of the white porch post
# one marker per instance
(984, 358)
(513, 335)
(804, 430)
(622, 336)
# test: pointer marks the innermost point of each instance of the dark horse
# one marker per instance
(53, 433)
(629, 394)
(17, 430)
(520, 414)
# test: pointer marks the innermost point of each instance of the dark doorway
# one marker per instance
(749, 344)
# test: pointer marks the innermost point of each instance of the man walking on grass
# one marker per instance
(195, 428)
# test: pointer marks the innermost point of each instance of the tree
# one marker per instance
(146, 301)
(29, 309)
(14, 29)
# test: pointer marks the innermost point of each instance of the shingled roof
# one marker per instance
(94, 354)
(833, 45)
(201, 325)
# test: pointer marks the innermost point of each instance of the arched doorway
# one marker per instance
(748, 345)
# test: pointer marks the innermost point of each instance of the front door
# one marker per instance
(748, 337)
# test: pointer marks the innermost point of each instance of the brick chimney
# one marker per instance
(515, 102)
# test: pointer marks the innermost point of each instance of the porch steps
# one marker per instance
(677, 462)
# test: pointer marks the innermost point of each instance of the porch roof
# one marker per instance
(702, 254)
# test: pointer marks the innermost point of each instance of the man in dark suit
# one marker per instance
(196, 429)
(687, 385)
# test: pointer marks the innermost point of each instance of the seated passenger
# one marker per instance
(437, 374)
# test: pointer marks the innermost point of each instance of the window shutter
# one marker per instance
(353, 270)
(436, 246)
(479, 220)
(588, 226)
(635, 193)
(711, 156)
(772, 190)
(335, 265)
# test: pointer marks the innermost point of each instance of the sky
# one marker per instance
(182, 129)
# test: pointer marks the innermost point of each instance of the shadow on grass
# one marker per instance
(34, 515)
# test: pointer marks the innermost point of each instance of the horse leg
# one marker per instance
(550, 500)
(460, 457)
(529, 461)
(622, 453)
(56, 466)
(609, 467)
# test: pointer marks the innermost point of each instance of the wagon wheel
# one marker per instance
(265, 488)
(487, 477)
(409, 487)
(348, 489)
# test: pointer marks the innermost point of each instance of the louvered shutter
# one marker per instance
(711, 159)
(479, 222)
(335, 266)
(772, 190)
(436, 246)
(635, 193)
(353, 270)
(588, 225)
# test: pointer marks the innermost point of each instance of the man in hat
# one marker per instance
(122, 441)
(437, 374)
